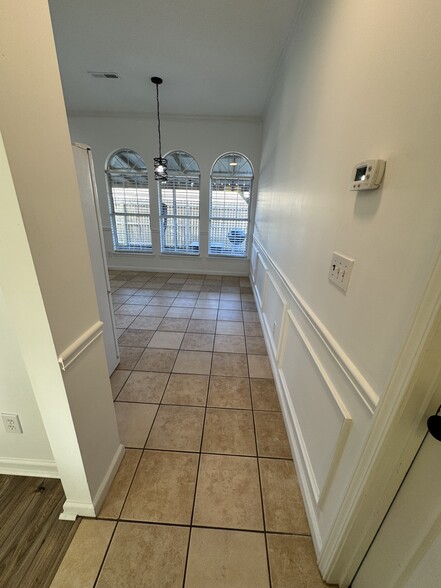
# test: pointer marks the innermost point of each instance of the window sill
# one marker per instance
(213, 256)
(117, 252)
(177, 254)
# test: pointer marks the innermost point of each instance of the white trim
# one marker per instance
(298, 441)
(282, 330)
(260, 296)
(209, 257)
(225, 257)
(242, 274)
(132, 253)
(72, 509)
(253, 261)
(28, 467)
(71, 353)
(319, 494)
(152, 116)
(358, 381)
(288, 417)
(183, 254)
(108, 478)
(394, 438)
(276, 345)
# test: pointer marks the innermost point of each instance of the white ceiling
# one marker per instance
(217, 57)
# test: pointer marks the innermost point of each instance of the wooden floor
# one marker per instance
(33, 540)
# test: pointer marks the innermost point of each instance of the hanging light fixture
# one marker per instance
(160, 163)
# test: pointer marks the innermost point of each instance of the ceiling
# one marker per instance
(217, 57)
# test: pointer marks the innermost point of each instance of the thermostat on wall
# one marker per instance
(368, 175)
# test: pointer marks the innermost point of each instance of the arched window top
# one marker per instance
(181, 163)
(232, 165)
(126, 160)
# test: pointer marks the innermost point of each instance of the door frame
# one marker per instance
(397, 430)
(427, 533)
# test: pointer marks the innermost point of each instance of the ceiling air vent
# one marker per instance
(110, 75)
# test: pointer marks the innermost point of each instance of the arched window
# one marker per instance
(129, 202)
(230, 199)
(179, 204)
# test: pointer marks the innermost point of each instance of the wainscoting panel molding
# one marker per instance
(360, 385)
(326, 402)
(274, 313)
(253, 261)
(321, 419)
(261, 278)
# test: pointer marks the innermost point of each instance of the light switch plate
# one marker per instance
(340, 270)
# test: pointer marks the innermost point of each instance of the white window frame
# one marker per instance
(117, 246)
(246, 220)
(190, 248)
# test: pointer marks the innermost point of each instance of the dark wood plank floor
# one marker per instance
(33, 540)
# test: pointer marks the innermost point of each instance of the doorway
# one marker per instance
(405, 551)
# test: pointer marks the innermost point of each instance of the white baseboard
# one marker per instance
(108, 478)
(72, 509)
(207, 272)
(28, 467)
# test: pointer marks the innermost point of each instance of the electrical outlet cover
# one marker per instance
(11, 423)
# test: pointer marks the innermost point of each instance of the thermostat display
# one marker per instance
(368, 175)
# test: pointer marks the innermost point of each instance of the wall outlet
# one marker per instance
(340, 270)
(11, 423)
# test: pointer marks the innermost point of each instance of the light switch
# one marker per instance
(340, 270)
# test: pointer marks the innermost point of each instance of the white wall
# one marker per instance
(204, 138)
(51, 295)
(361, 79)
(16, 396)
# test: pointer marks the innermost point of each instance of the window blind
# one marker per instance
(129, 201)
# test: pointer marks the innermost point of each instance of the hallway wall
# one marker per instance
(32, 447)
(360, 80)
(45, 267)
(204, 138)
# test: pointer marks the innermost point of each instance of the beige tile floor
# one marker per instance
(207, 494)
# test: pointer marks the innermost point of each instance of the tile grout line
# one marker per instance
(197, 474)
(260, 486)
(105, 554)
(199, 526)
(247, 455)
